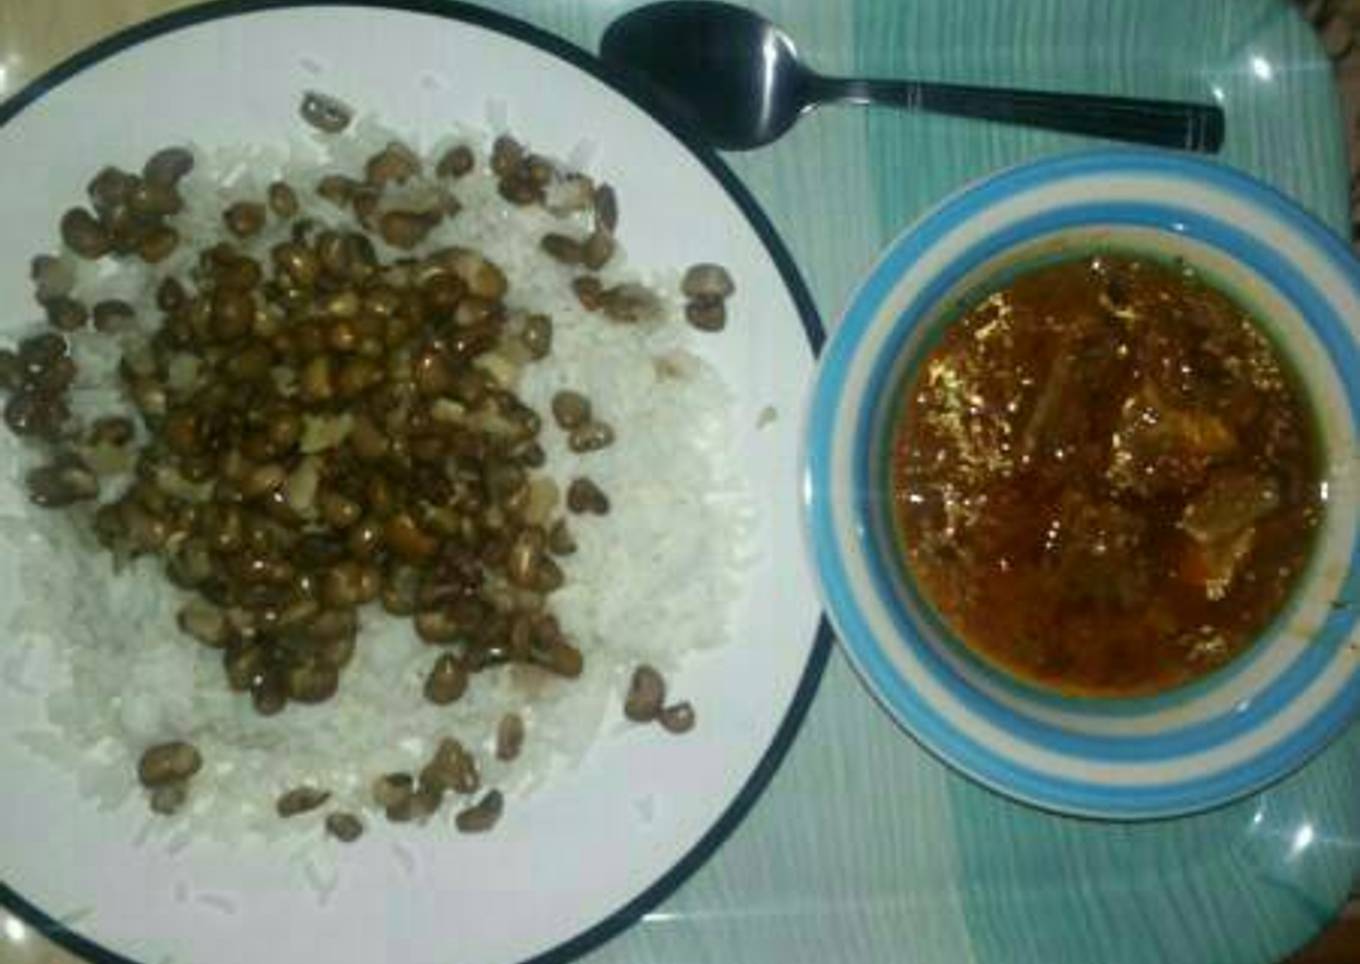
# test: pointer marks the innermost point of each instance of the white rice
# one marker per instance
(652, 581)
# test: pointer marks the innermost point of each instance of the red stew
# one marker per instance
(1106, 478)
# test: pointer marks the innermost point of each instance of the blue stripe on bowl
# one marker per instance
(933, 730)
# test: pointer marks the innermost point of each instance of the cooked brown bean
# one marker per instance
(560, 658)
(300, 800)
(342, 305)
(509, 736)
(317, 382)
(483, 815)
(233, 313)
(570, 409)
(11, 370)
(171, 296)
(417, 807)
(283, 200)
(327, 114)
(395, 163)
(190, 564)
(205, 622)
(571, 194)
(537, 335)
(646, 695)
(456, 162)
(366, 202)
(584, 496)
(36, 415)
(563, 249)
(55, 379)
(606, 208)
(432, 372)
(253, 362)
(168, 763)
(530, 455)
(365, 537)
(111, 430)
(345, 827)
(37, 352)
(337, 652)
(349, 583)
(439, 626)
(538, 169)
(406, 229)
(548, 576)
(526, 557)
(83, 234)
(113, 315)
(269, 694)
(157, 244)
(407, 539)
(483, 278)
(52, 277)
(66, 314)
(706, 314)
(150, 201)
(506, 155)
(63, 483)
(168, 166)
(393, 789)
(591, 437)
(149, 396)
(337, 511)
(260, 480)
(110, 188)
(597, 250)
(678, 718)
(312, 682)
(316, 551)
(401, 585)
(245, 219)
(356, 376)
(560, 540)
(447, 680)
(589, 291)
(298, 262)
(337, 189)
(170, 799)
(451, 768)
(707, 281)
(629, 302)
(333, 624)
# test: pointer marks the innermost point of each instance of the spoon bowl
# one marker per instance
(721, 69)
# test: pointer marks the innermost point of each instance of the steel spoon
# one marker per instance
(735, 79)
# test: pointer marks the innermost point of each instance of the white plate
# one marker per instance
(587, 854)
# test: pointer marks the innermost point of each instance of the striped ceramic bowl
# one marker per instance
(1232, 732)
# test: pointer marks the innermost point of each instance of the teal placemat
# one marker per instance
(864, 848)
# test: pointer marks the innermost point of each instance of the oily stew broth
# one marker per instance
(1106, 479)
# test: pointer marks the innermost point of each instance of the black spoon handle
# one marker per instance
(1165, 123)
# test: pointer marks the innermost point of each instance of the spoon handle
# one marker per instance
(1165, 123)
